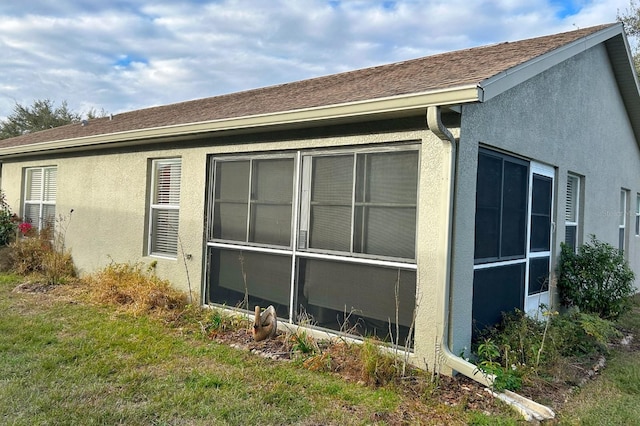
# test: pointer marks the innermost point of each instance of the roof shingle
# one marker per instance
(442, 71)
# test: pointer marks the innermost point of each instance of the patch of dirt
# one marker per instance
(339, 358)
(33, 287)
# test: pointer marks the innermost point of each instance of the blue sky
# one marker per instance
(122, 55)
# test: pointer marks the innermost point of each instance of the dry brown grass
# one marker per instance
(133, 289)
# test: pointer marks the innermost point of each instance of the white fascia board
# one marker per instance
(453, 96)
(507, 79)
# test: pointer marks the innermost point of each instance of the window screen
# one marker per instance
(501, 207)
(363, 203)
(363, 296)
(165, 207)
(253, 200)
(264, 279)
(541, 213)
(538, 275)
(40, 196)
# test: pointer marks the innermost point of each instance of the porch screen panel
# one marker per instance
(231, 200)
(538, 275)
(331, 203)
(264, 278)
(488, 205)
(271, 201)
(496, 290)
(386, 194)
(541, 213)
(514, 210)
(501, 208)
(333, 290)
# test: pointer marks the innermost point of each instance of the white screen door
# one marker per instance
(539, 247)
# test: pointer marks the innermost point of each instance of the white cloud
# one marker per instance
(122, 55)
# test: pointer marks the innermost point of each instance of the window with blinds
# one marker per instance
(40, 197)
(638, 215)
(165, 207)
(254, 200)
(571, 212)
(363, 202)
(622, 224)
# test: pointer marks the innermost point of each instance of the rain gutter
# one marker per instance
(530, 409)
(293, 118)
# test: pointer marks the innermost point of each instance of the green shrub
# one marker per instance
(597, 279)
(7, 222)
(577, 333)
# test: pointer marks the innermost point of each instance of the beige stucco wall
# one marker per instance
(108, 192)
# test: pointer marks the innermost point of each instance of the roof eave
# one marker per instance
(381, 106)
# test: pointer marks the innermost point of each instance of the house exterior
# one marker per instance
(417, 199)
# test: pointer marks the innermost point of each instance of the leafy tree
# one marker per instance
(631, 20)
(43, 114)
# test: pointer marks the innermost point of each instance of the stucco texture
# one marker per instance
(570, 117)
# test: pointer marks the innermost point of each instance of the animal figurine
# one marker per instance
(265, 324)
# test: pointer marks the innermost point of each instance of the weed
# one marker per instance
(303, 343)
(318, 362)
(507, 376)
(130, 287)
(45, 253)
(378, 368)
(220, 321)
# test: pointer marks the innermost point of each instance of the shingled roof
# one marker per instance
(437, 73)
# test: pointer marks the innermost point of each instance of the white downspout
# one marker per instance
(528, 408)
(456, 363)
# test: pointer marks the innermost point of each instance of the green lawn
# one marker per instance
(69, 363)
(63, 362)
(614, 397)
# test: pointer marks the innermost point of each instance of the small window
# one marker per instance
(40, 197)
(638, 215)
(622, 226)
(571, 211)
(165, 207)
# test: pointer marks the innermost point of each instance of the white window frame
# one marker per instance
(46, 194)
(576, 206)
(622, 225)
(170, 205)
(638, 215)
(301, 209)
